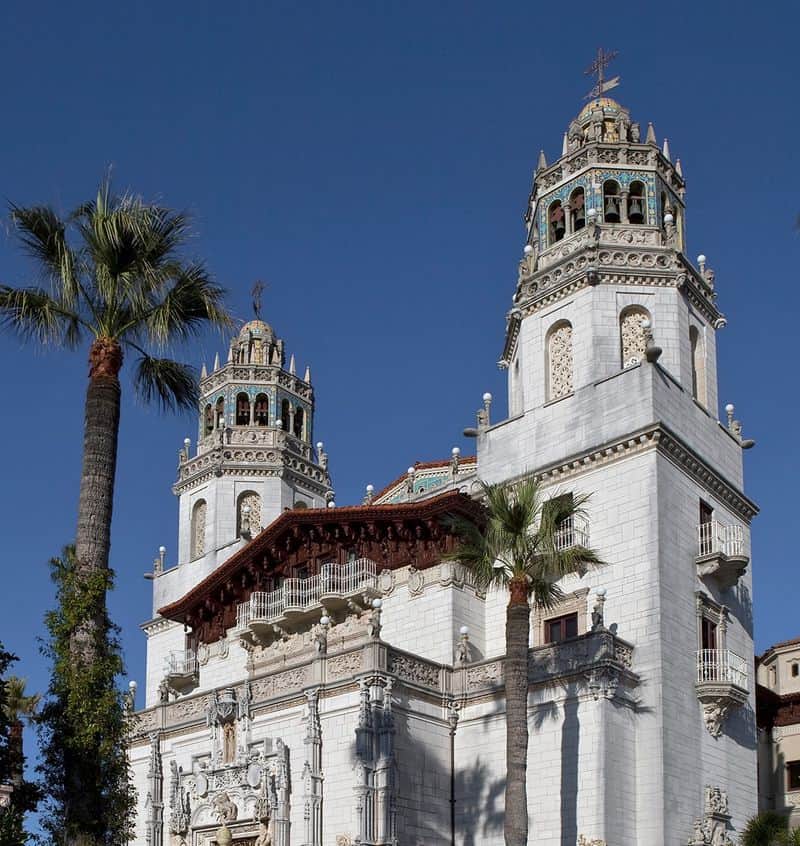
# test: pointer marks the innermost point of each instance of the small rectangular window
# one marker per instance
(708, 634)
(706, 513)
(793, 775)
(561, 628)
(796, 669)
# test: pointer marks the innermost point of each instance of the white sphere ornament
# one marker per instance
(729, 408)
(455, 451)
(464, 630)
(187, 441)
(410, 471)
(668, 219)
(487, 397)
(528, 249)
(132, 686)
(370, 488)
(701, 259)
(591, 213)
(320, 445)
(377, 603)
(646, 323)
(601, 591)
(325, 620)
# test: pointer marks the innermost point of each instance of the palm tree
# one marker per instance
(769, 828)
(112, 272)
(520, 548)
(19, 708)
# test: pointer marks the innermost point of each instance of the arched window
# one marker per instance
(285, 415)
(251, 500)
(261, 413)
(556, 225)
(299, 416)
(636, 202)
(197, 541)
(559, 360)
(242, 410)
(611, 201)
(208, 420)
(698, 365)
(219, 414)
(631, 334)
(577, 209)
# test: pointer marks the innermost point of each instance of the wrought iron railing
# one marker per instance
(721, 665)
(716, 537)
(183, 663)
(574, 531)
(333, 580)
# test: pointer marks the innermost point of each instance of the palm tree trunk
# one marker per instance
(516, 680)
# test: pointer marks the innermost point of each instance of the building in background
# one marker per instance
(778, 707)
(319, 675)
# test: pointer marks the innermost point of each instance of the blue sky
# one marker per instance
(371, 162)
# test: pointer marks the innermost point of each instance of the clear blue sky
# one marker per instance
(372, 161)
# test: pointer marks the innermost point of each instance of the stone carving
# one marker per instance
(603, 681)
(632, 335)
(344, 840)
(251, 523)
(347, 664)
(559, 349)
(715, 713)
(485, 674)
(623, 654)
(583, 840)
(224, 809)
(414, 669)
(319, 637)
(386, 581)
(203, 654)
(180, 810)
(712, 828)
(199, 529)
(416, 581)
(185, 708)
(264, 834)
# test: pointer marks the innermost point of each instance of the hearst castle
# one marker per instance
(318, 675)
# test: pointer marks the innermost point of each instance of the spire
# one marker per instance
(307, 377)
(651, 134)
(665, 149)
(216, 362)
(230, 353)
(292, 368)
(542, 163)
(565, 145)
(678, 168)
(203, 371)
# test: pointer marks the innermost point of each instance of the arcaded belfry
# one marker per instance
(319, 675)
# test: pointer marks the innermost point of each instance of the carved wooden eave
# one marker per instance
(393, 536)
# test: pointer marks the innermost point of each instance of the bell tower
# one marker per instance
(254, 456)
(610, 348)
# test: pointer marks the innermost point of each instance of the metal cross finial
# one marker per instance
(598, 68)
(256, 292)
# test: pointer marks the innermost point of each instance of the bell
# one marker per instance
(636, 208)
(611, 207)
(580, 217)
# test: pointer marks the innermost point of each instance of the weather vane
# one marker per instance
(256, 292)
(598, 69)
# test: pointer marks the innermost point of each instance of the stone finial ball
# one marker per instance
(410, 471)
(187, 441)
(325, 620)
(729, 408)
(377, 603)
(591, 213)
(370, 488)
(701, 259)
(487, 397)
(601, 591)
(455, 451)
(464, 630)
(668, 218)
(320, 446)
(646, 323)
(528, 249)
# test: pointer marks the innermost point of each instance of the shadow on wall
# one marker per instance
(423, 790)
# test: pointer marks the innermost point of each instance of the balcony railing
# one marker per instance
(721, 666)
(334, 581)
(574, 531)
(183, 663)
(717, 538)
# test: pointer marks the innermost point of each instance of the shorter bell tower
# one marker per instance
(254, 456)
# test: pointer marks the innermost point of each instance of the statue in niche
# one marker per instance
(264, 835)
(224, 808)
(229, 743)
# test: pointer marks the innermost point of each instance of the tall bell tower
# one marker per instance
(610, 349)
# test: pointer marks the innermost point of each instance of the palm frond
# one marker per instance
(43, 236)
(192, 302)
(169, 383)
(17, 703)
(34, 314)
(764, 829)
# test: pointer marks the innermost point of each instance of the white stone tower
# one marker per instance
(612, 389)
(254, 459)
